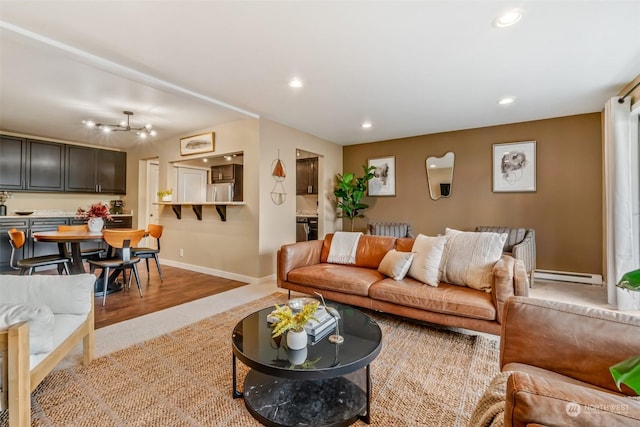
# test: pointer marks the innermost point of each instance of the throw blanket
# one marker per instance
(343, 248)
(489, 411)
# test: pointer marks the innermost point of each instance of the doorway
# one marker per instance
(308, 188)
(151, 214)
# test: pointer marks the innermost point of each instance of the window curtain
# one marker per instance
(618, 162)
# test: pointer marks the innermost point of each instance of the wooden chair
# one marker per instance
(155, 230)
(17, 240)
(120, 256)
(90, 253)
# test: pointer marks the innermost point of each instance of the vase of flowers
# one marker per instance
(95, 216)
(293, 324)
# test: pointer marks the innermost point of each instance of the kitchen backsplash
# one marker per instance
(307, 204)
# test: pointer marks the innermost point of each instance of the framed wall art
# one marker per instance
(197, 144)
(384, 181)
(514, 167)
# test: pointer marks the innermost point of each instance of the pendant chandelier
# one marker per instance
(123, 126)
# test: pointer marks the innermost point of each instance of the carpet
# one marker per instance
(424, 376)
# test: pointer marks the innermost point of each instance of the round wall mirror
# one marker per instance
(440, 175)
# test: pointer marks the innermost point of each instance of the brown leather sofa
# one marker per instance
(303, 267)
(560, 356)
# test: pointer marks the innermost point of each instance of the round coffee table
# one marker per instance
(325, 384)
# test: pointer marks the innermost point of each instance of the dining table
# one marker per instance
(75, 239)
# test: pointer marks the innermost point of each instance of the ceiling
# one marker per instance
(409, 68)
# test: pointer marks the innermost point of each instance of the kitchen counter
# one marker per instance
(54, 215)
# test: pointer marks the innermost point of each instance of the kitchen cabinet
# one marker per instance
(91, 170)
(34, 165)
(13, 154)
(45, 166)
(37, 225)
(307, 176)
(226, 173)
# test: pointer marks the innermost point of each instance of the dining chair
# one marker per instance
(155, 230)
(119, 257)
(86, 253)
(17, 240)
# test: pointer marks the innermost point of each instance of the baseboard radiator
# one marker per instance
(565, 276)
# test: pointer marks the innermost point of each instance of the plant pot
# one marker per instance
(166, 198)
(95, 224)
(3, 210)
(296, 340)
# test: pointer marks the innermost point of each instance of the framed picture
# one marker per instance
(197, 144)
(384, 181)
(514, 167)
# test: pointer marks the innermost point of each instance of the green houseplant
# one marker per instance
(165, 195)
(350, 191)
(628, 371)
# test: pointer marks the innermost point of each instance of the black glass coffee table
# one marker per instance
(325, 384)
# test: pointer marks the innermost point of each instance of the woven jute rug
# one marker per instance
(424, 376)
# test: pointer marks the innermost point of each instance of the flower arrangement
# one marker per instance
(96, 210)
(287, 319)
(4, 195)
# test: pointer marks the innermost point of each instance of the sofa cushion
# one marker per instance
(396, 264)
(63, 294)
(468, 258)
(426, 261)
(371, 250)
(446, 298)
(40, 319)
(404, 244)
(338, 277)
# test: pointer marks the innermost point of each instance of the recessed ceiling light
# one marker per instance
(366, 125)
(295, 83)
(506, 101)
(508, 18)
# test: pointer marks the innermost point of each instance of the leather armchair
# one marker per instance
(520, 244)
(559, 357)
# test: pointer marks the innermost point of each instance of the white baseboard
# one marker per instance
(566, 276)
(219, 273)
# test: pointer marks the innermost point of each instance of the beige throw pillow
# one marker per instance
(468, 258)
(395, 264)
(426, 261)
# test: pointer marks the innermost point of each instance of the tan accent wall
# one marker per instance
(565, 210)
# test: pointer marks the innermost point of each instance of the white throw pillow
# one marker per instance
(40, 318)
(426, 261)
(469, 257)
(395, 264)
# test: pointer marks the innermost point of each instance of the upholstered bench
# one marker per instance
(42, 318)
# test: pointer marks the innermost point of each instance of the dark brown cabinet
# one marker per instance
(307, 176)
(34, 165)
(90, 170)
(13, 154)
(45, 166)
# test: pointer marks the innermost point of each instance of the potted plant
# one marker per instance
(165, 195)
(4, 195)
(294, 323)
(95, 216)
(350, 191)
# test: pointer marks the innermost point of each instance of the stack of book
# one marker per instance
(321, 326)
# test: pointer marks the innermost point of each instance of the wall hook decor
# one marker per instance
(279, 173)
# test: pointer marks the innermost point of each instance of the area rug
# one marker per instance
(424, 376)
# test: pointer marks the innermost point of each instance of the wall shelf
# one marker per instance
(221, 208)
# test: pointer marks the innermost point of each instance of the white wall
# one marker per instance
(277, 222)
(228, 249)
